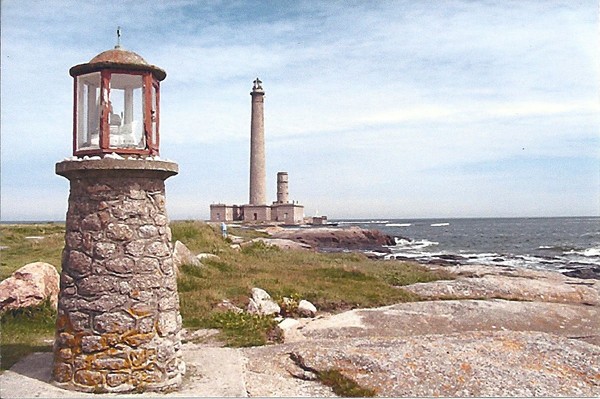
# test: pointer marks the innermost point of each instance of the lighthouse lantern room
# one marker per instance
(116, 105)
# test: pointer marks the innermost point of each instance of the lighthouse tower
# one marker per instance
(257, 209)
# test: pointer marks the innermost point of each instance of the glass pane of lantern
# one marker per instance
(125, 119)
(154, 115)
(88, 111)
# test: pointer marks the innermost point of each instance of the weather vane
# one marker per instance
(118, 37)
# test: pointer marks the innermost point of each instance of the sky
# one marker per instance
(376, 109)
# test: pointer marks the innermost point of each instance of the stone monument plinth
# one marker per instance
(118, 324)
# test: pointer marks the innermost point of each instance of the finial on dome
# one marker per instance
(118, 46)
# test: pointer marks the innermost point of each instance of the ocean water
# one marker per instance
(542, 243)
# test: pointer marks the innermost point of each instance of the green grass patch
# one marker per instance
(24, 331)
(18, 250)
(244, 329)
(344, 386)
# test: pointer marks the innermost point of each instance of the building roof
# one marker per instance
(118, 58)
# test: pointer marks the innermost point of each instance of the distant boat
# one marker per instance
(439, 224)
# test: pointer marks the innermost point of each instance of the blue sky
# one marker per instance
(394, 109)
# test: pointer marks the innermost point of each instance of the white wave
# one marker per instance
(592, 252)
(439, 224)
(362, 221)
(546, 247)
(398, 224)
(589, 252)
(404, 244)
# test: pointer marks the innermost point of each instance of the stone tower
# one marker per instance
(282, 188)
(118, 323)
(258, 190)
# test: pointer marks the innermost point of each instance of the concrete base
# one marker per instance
(212, 372)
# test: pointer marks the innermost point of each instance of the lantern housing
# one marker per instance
(116, 105)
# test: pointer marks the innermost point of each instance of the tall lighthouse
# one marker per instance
(258, 194)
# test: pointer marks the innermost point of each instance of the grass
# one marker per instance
(344, 386)
(332, 282)
(21, 251)
(24, 331)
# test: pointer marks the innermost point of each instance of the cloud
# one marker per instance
(381, 103)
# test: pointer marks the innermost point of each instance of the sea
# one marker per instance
(559, 244)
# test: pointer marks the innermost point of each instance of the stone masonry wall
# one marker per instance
(118, 315)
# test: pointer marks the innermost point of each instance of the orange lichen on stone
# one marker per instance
(136, 340)
(88, 378)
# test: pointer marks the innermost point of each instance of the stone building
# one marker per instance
(118, 321)
(257, 210)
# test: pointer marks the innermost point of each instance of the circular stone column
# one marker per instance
(118, 320)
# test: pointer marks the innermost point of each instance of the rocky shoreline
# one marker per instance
(490, 331)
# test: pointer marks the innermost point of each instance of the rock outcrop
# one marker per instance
(30, 285)
(339, 239)
(542, 342)
(475, 282)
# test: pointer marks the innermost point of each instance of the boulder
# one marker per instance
(30, 285)
(261, 303)
(203, 256)
(183, 256)
(306, 309)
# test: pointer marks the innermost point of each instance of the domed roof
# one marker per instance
(120, 56)
(117, 58)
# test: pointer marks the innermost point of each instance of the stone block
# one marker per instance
(65, 339)
(62, 372)
(147, 264)
(169, 302)
(115, 379)
(93, 343)
(79, 264)
(117, 322)
(147, 231)
(88, 378)
(167, 266)
(136, 248)
(111, 363)
(79, 321)
(161, 220)
(98, 285)
(73, 239)
(146, 325)
(159, 249)
(65, 353)
(91, 222)
(144, 282)
(104, 250)
(129, 209)
(119, 232)
(136, 340)
(167, 323)
(107, 302)
(120, 265)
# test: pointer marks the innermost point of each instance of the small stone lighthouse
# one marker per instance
(118, 324)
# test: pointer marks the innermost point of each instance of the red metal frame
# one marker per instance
(149, 83)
